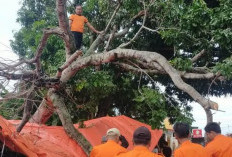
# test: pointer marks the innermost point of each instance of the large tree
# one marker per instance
(181, 46)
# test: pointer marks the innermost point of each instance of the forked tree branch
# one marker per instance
(138, 32)
(144, 56)
(100, 37)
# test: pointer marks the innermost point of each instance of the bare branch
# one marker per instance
(27, 109)
(134, 69)
(110, 39)
(123, 32)
(10, 96)
(70, 46)
(199, 55)
(201, 70)
(184, 75)
(113, 16)
(197, 76)
(68, 62)
(100, 37)
(152, 65)
(151, 30)
(137, 34)
(41, 46)
(23, 76)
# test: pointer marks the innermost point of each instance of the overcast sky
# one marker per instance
(8, 15)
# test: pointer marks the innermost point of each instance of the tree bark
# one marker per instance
(209, 115)
(28, 103)
(45, 110)
(65, 118)
(70, 46)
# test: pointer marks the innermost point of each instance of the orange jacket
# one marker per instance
(220, 146)
(78, 23)
(108, 149)
(139, 151)
(189, 149)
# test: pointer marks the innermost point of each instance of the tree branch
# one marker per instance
(113, 15)
(199, 55)
(68, 62)
(110, 39)
(70, 46)
(45, 110)
(100, 37)
(137, 34)
(184, 75)
(23, 76)
(41, 46)
(136, 70)
(144, 56)
(65, 118)
(27, 109)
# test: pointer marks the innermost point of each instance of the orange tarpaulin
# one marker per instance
(51, 141)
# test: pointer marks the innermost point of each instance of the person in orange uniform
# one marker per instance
(141, 140)
(219, 145)
(186, 148)
(76, 23)
(111, 147)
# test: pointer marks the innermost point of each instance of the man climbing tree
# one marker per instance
(76, 23)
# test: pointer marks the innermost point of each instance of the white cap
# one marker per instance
(113, 132)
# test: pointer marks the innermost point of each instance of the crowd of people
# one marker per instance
(114, 144)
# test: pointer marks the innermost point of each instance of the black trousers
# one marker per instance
(78, 39)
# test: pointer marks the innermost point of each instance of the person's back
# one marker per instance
(141, 140)
(139, 151)
(111, 147)
(189, 149)
(219, 145)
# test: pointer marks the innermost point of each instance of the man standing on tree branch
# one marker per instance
(76, 23)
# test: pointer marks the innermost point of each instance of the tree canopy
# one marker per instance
(152, 59)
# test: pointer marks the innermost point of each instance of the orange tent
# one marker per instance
(41, 140)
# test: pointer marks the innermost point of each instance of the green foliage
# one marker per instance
(9, 109)
(34, 16)
(182, 64)
(185, 28)
(150, 103)
(224, 68)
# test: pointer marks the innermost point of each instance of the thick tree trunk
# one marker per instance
(45, 110)
(209, 115)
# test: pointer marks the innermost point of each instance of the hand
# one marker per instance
(100, 32)
(124, 142)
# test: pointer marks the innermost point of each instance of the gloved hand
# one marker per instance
(124, 142)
